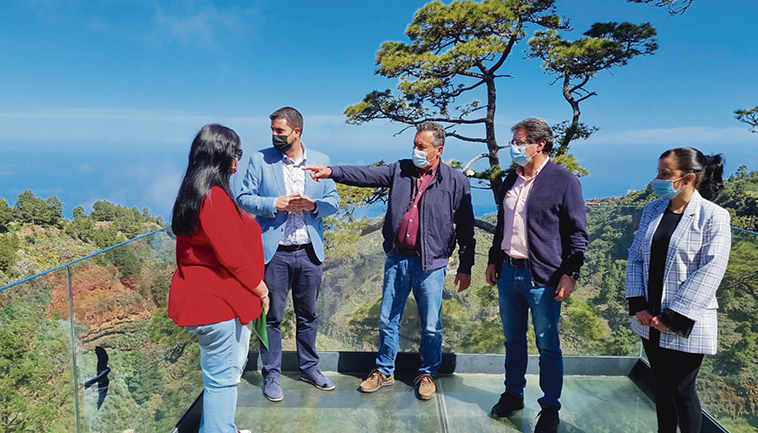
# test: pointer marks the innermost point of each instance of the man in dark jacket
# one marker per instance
(536, 254)
(429, 208)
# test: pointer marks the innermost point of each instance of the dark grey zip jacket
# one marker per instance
(446, 213)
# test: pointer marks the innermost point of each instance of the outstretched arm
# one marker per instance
(354, 175)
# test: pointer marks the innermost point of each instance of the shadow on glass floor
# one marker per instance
(462, 404)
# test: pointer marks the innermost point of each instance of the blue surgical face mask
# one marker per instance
(518, 155)
(419, 158)
(664, 188)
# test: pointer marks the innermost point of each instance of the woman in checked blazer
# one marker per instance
(676, 263)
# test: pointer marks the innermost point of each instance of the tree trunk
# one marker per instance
(489, 125)
(572, 129)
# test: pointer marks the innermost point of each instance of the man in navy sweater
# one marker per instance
(429, 208)
(536, 254)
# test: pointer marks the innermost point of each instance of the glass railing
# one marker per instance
(728, 381)
(134, 369)
(594, 320)
(119, 303)
(37, 370)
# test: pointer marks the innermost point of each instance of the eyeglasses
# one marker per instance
(239, 154)
(518, 143)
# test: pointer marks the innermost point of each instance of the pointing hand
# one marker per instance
(319, 172)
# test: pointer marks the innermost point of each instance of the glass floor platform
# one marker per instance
(462, 404)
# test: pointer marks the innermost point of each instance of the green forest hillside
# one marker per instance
(34, 235)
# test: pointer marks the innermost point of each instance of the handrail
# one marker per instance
(640, 206)
(745, 230)
(16, 283)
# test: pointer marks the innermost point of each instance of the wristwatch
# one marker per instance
(574, 276)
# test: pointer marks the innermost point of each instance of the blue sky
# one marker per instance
(100, 99)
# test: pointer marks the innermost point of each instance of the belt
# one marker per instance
(410, 252)
(289, 248)
(516, 263)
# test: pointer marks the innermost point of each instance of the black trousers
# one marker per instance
(676, 400)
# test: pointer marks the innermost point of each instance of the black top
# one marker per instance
(658, 251)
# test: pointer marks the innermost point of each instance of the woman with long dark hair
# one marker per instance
(676, 263)
(218, 288)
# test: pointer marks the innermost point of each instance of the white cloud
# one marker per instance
(84, 127)
(90, 114)
(678, 136)
(197, 22)
(8, 170)
(201, 25)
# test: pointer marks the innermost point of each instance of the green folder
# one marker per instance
(259, 327)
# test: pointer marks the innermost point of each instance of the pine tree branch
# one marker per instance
(464, 138)
(470, 163)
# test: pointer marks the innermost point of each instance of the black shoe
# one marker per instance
(549, 420)
(507, 404)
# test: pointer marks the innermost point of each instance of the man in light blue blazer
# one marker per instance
(290, 206)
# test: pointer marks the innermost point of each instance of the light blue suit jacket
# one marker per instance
(264, 183)
(695, 264)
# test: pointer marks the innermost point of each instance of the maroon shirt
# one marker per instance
(408, 233)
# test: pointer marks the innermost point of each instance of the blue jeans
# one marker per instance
(223, 355)
(401, 274)
(301, 271)
(517, 296)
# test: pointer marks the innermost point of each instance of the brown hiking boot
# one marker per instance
(376, 380)
(426, 386)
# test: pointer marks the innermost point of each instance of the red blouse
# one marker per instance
(218, 267)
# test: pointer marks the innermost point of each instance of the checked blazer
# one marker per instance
(695, 264)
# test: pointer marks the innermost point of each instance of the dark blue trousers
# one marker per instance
(301, 271)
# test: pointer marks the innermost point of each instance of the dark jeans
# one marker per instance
(301, 271)
(517, 296)
(676, 398)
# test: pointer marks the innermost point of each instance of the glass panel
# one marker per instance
(727, 381)
(351, 291)
(594, 320)
(120, 304)
(36, 362)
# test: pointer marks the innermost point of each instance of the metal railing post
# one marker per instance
(73, 346)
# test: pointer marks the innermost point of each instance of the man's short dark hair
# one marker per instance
(293, 117)
(536, 130)
(436, 128)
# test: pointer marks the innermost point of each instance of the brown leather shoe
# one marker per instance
(426, 387)
(375, 380)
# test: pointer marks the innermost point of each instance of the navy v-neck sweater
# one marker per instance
(556, 225)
